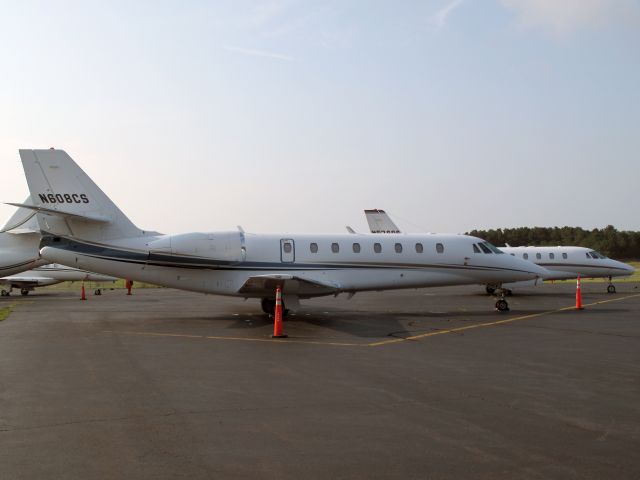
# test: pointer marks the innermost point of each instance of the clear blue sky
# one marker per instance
(296, 115)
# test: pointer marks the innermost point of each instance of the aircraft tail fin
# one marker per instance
(379, 222)
(23, 220)
(68, 202)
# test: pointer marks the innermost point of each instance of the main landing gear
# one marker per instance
(269, 307)
(5, 293)
(24, 291)
(492, 291)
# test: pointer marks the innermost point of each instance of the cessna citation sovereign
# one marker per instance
(82, 227)
(565, 263)
(561, 263)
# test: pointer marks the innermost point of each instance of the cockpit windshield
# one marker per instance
(596, 255)
(486, 248)
(493, 248)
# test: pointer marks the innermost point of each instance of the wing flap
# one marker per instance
(292, 284)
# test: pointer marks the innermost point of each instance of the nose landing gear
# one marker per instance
(501, 303)
(611, 288)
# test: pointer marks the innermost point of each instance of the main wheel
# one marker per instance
(4, 293)
(24, 291)
(490, 290)
(268, 306)
(98, 292)
(611, 289)
(502, 306)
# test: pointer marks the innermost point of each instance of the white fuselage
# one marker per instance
(18, 253)
(222, 262)
(571, 262)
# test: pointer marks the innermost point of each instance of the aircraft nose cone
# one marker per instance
(534, 271)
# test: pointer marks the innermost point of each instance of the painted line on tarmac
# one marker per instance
(237, 339)
(491, 324)
(373, 344)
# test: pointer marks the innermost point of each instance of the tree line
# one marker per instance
(622, 245)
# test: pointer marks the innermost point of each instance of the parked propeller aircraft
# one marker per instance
(562, 263)
(51, 274)
(83, 228)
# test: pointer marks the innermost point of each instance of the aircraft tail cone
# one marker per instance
(578, 295)
(83, 295)
(277, 317)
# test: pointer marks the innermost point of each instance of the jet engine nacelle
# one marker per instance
(218, 245)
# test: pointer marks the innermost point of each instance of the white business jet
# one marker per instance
(562, 263)
(20, 263)
(565, 263)
(19, 243)
(83, 228)
(50, 274)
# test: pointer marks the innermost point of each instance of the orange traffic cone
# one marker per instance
(83, 294)
(277, 318)
(128, 284)
(578, 295)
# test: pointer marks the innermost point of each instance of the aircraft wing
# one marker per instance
(292, 284)
(23, 281)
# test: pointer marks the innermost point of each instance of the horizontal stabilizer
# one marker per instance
(62, 213)
(23, 231)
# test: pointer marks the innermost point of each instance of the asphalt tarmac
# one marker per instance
(410, 384)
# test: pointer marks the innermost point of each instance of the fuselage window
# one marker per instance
(484, 248)
(313, 247)
(398, 247)
(538, 256)
(377, 247)
(356, 248)
(552, 256)
(564, 255)
(439, 248)
(419, 248)
(513, 254)
(475, 248)
(335, 248)
(286, 246)
(525, 256)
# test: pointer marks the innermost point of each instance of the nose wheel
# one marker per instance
(502, 305)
